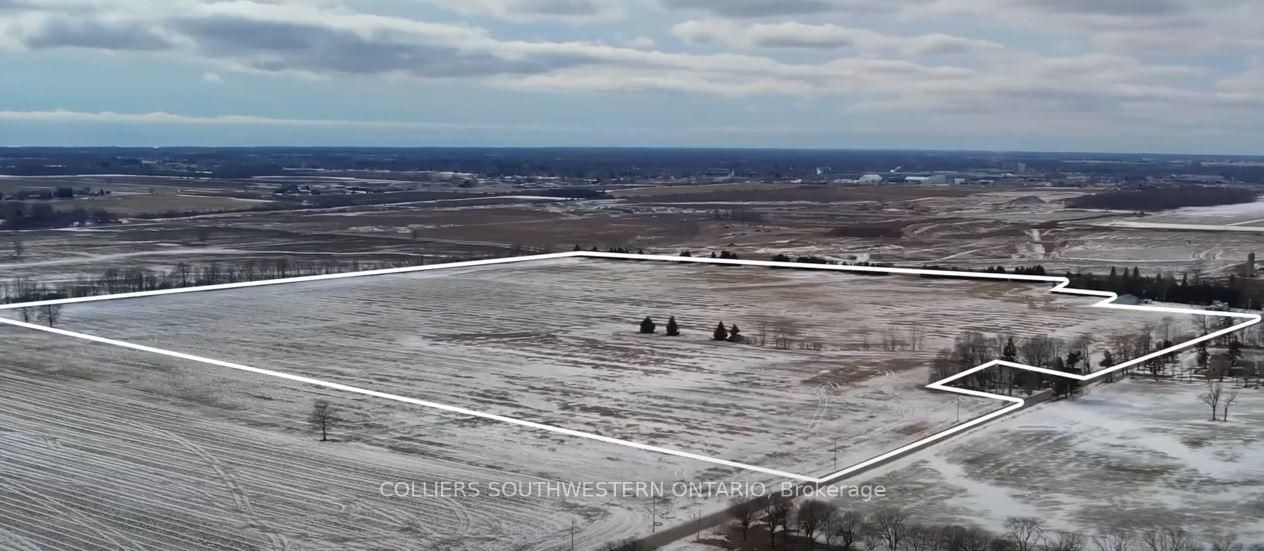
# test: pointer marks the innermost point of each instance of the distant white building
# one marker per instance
(871, 179)
(718, 176)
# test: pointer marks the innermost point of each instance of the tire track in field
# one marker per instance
(240, 500)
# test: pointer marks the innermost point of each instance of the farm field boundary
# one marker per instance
(1060, 285)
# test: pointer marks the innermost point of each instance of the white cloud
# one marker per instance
(641, 42)
(780, 8)
(212, 78)
(826, 37)
(64, 116)
(1121, 26)
(573, 11)
(935, 78)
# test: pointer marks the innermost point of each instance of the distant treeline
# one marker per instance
(1234, 291)
(1164, 198)
(16, 215)
(599, 163)
(130, 280)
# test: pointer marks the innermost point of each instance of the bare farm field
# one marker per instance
(833, 363)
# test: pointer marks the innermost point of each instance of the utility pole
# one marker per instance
(572, 534)
(958, 408)
(653, 514)
(835, 453)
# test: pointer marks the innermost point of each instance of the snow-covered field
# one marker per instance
(1131, 455)
(553, 342)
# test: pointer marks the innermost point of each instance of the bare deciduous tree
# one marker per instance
(783, 335)
(812, 516)
(1113, 540)
(922, 538)
(1067, 541)
(891, 525)
(323, 417)
(1212, 397)
(1039, 351)
(1227, 400)
(1026, 533)
(743, 511)
(1168, 539)
(848, 528)
(776, 509)
(50, 313)
(1225, 543)
(974, 539)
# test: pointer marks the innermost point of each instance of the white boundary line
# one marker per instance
(1062, 286)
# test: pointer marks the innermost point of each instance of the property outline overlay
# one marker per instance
(1015, 404)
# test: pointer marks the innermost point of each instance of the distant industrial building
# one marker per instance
(936, 180)
(717, 176)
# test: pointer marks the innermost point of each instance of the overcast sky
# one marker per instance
(1068, 75)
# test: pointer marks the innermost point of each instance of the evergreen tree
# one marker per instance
(673, 330)
(1073, 359)
(734, 334)
(1235, 352)
(1108, 360)
(648, 326)
(721, 333)
(1010, 352)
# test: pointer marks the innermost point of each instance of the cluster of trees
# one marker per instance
(781, 257)
(804, 525)
(622, 250)
(46, 194)
(648, 327)
(722, 254)
(1231, 291)
(25, 216)
(721, 333)
(1219, 400)
(1036, 270)
(738, 215)
(1072, 356)
(44, 313)
(972, 348)
(730, 334)
(1163, 198)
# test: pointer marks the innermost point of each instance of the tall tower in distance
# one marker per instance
(1250, 265)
